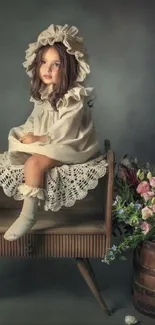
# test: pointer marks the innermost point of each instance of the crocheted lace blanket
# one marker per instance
(64, 185)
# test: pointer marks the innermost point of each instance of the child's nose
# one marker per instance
(49, 68)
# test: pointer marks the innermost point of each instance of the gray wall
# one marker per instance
(121, 43)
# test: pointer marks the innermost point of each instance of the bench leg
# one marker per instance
(88, 274)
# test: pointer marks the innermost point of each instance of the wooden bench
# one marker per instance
(80, 232)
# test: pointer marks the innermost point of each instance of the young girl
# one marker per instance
(54, 156)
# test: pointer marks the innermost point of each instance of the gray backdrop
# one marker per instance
(120, 38)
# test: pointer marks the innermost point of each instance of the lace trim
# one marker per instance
(30, 191)
(76, 92)
(64, 185)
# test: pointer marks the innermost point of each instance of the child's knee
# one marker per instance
(38, 163)
(32, 164)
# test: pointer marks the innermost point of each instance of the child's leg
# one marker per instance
(34, 170)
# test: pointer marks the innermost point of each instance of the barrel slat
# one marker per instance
(144, 278)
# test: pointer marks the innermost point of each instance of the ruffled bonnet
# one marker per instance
(70, 38)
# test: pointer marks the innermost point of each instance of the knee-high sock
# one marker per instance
(27, 217)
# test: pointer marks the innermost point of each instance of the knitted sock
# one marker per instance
(27, 217)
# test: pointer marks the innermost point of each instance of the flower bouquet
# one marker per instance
(134, 206)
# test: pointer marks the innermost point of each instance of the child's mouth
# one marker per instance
(47, 76)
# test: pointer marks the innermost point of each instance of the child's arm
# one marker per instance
(67, 127)
(28, 127)
(72, 138)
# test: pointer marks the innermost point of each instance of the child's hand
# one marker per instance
(29, 138)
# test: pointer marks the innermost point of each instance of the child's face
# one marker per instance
(49, 71)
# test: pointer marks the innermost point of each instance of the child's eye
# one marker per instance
(56, 64)
(42, 62)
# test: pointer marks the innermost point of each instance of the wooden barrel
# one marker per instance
(144, 278)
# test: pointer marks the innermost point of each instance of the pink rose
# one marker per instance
(146, 227)
(147, 196)
(153, 207)
(146, 213)
(152, 181)
(143, 187)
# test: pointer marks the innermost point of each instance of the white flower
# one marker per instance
(130, 320)
(126, 161)
(117, 198)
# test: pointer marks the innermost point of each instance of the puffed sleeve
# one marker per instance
(67, 127)
(18, 131)
(72, 138)
(29, 124)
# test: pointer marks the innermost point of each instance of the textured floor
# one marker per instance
(41, 292)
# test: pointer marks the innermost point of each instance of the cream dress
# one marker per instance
(70, 138)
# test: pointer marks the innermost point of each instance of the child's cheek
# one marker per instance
(56, 76)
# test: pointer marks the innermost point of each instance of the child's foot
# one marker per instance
(19, 228)
(27, 217)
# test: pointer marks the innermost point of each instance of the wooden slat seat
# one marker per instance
(81, 232)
